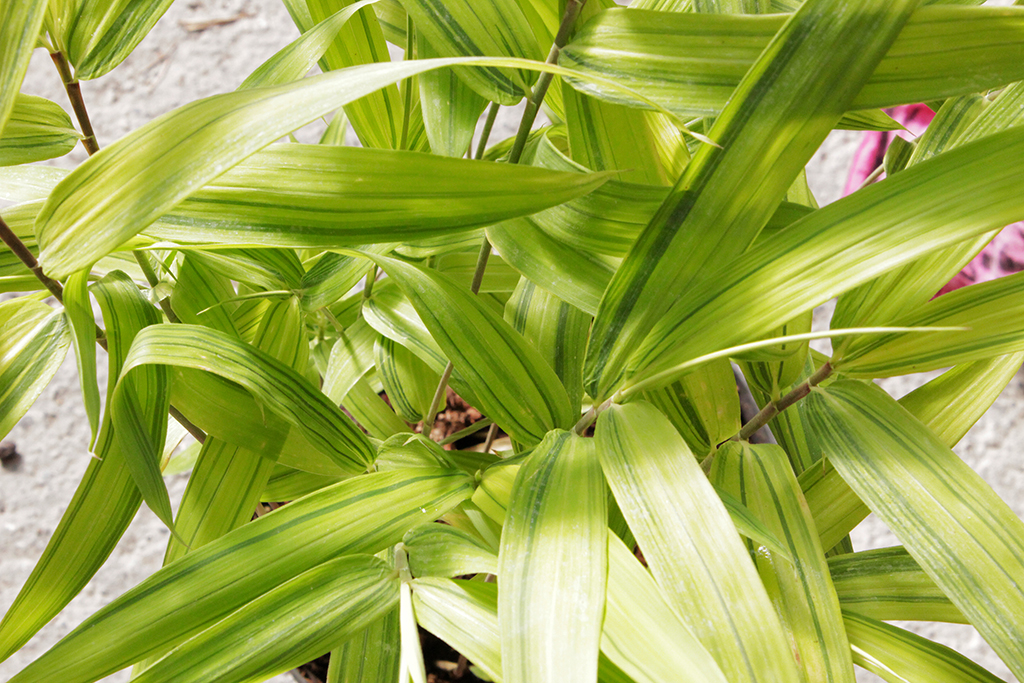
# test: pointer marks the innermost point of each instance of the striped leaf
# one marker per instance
(364, 514)
(328, 196)
(951, 403)
(960, 532)
(442, 550)
(377, 117)
(37, 129)
(512, 383)
(991, 312)
(371, 412)
(690, 544)
(35, 340)
(409, 382)
(553, 564)
(887, 584)
(842, 245)
(760, 476)
(202, 296)
(227, 480)
(691, 63)
(809, 72)
(465, 615)
(369, 657)
(20, 23)
(556, 329)
(106, 499)
(351, 358)
(450, 107)
(903, 657)
(497, 28)
(294, 60)
(96, 37)
(29, 183)
(642, 635)
(274, 385)
(79, 309)
(411, 665)
(286, 627)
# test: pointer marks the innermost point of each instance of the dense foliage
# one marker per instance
(586, 285)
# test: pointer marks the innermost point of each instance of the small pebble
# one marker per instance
(8, 451)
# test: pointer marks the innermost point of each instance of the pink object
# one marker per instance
(1002, 256)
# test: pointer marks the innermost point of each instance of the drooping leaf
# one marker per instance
(450, 107)
(20, 23)
(642, 635)
(886, 584)
(364, 514)
(79, 309)
(408, 382)
(286, 627)
(35, 340)
(900, 656)
(808, 72)
(442, 550)
(105, 501)
(960, 532)
(760, 476)
(690, 545)
(98, 37)
(273, 384)
(328, 196)
(553, 564)
(990, 312)
(37, 129)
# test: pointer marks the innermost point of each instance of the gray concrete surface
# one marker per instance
(175, 65)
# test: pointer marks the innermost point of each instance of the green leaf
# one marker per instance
(35, 340)
(37, 129)
(20, 23)
(272, 384)
(364, 514)
(96, 37)
(371, 656)
(512, 383)
(325, 196)
(690, 544)
(951, 403)
(556, 329)
(703, 405)
(691, 63)
(809, 72)
(105, 501)
(903, 657)
(411, 667)
(202, 296)
(886, 584)
(964, 192)
(450, 107)
(991, 312)
(553, 564)
(642, 635)
(442, 550)
(28, 183)
(760, 476)
(294, 61)
(371, 411)
(351, 358)
(463, 27)
(408, 382)
(83, 324)
(286, 627)
(960, 532)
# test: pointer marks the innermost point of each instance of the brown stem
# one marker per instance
(25, 256)
(776, 407)
(74, 91)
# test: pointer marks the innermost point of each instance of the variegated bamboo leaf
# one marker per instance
(37, 129)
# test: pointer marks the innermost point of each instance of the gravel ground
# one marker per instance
(175, 64)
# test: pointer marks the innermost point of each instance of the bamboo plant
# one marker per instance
(587, 285)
